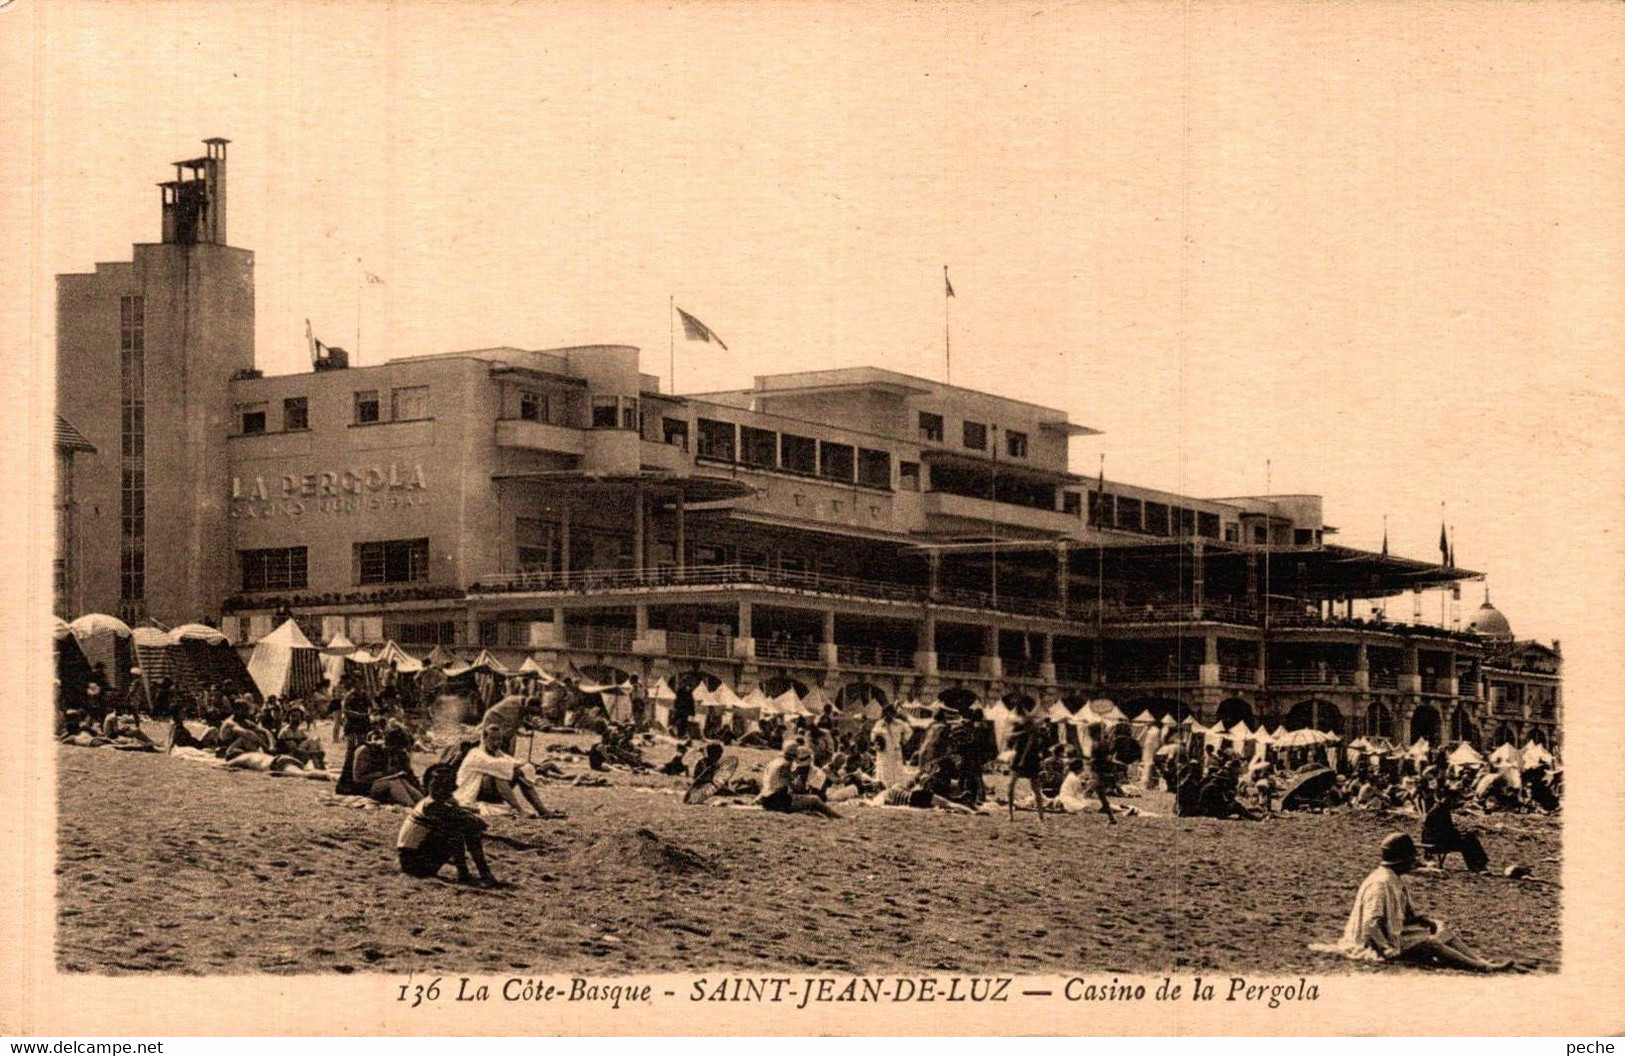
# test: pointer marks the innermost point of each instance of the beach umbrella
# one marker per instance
(98, 623)
(198, 632)
(60, 628)
(1307, 787)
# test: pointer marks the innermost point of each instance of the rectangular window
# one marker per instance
(251, 418)
(532, 406)
(534, 539)
(409, 403)
(281, 569)
(1303, 537)
(1207, 525)
(874, 468)
(1232, 533)
(758, 447)
(908, 476)
(1156, 519)
(295, 414)
(631, 417)
(975, 436)
(1187, 522)
(1102, 509)
(675, 431)
(705, 554)
(1130, 515)
(366, 407)
(605, 412)
(798, 454)
(392, 561)
(836, 461)
(930, 427)
(716, 440)
(1071, 503)
(1015, 444)
(1261, 535)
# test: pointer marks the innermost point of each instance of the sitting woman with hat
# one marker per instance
(1383, 925)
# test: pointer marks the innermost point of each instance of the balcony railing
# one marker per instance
(1072, 674)
(960, 662)
(682, 643)
(1330, 676)
(785, 651)
(1238, 675)
(1144, 674)
(1435, 684)
(1383, 679)
(598, 639)
(874, 656)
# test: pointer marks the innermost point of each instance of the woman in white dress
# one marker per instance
(888, 735)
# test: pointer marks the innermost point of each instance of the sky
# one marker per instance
(1372, 247)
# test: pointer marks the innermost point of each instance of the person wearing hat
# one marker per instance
(1384, 926)
(777, 777)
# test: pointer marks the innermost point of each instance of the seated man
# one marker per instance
(490, 773)
(123, 728)
(240, 734)
(1440, 835)
(297, 740)
(438, 831)
(1383, 926)
(917, 792)
(384, 771)
(777, 777)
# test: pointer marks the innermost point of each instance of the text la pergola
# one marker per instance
(316, 485)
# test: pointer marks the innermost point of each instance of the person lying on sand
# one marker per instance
(384, 771)
(917, 793)
(123, 728)
(1383, 925)
(438, 831)
(490, 773)
(74, 732)
(777, 777)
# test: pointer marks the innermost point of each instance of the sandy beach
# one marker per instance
(177, 867)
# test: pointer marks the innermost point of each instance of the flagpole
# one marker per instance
(994, 429)
(671, 353)
(947, 333)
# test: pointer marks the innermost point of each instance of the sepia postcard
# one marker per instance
(813, 518)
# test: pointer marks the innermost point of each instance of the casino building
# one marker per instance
(863, 530)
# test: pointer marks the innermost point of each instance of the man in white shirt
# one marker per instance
(488, 768)
(777, 777)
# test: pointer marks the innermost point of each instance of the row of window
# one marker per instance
(132, 451)
(1126, 514)
(806, 455)
(973, 435)
(373, 564)
(406, 403)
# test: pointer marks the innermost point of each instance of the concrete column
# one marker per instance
(638, 532)
(564, 539)
(925, 647)
(1046, 657)
(1410, 679)
(934, 560)
(744, 640)
(471, 628)
(682, 532)
(827, 647)
(558, 626)
(642, 611)
(992, 664)
(1362, 669)
(1209, 674)
(1063, 576)
(1261, 668)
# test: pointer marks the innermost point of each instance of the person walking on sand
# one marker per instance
(1383, 925)
(1027, 742)
(888, 735)
(1101, 769)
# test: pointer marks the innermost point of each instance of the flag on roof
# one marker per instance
(948, 287)
(694, 330)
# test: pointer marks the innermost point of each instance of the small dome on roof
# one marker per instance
(1488, 622)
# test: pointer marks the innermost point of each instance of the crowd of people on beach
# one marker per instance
(940, 761)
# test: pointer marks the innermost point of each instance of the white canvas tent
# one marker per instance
(1465, 755)
(285, 665)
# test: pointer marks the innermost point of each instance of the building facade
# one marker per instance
(870, 532)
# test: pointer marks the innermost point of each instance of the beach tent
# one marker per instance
(490, 663)
(1003, 720)
(440, 656)
(106, 640)
(788, 703)
(72, 669)
(399, 658)
(284, 664)
(1168, 720)
(153, 656)
(1535, 754)
(1465, 755)
(1144, 718)
(1240, 735)
(333, 653)
(1107, 710)
(1304, 738)
(202, 656)
(1507, 755)
(1420, 749)
(815, 703)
